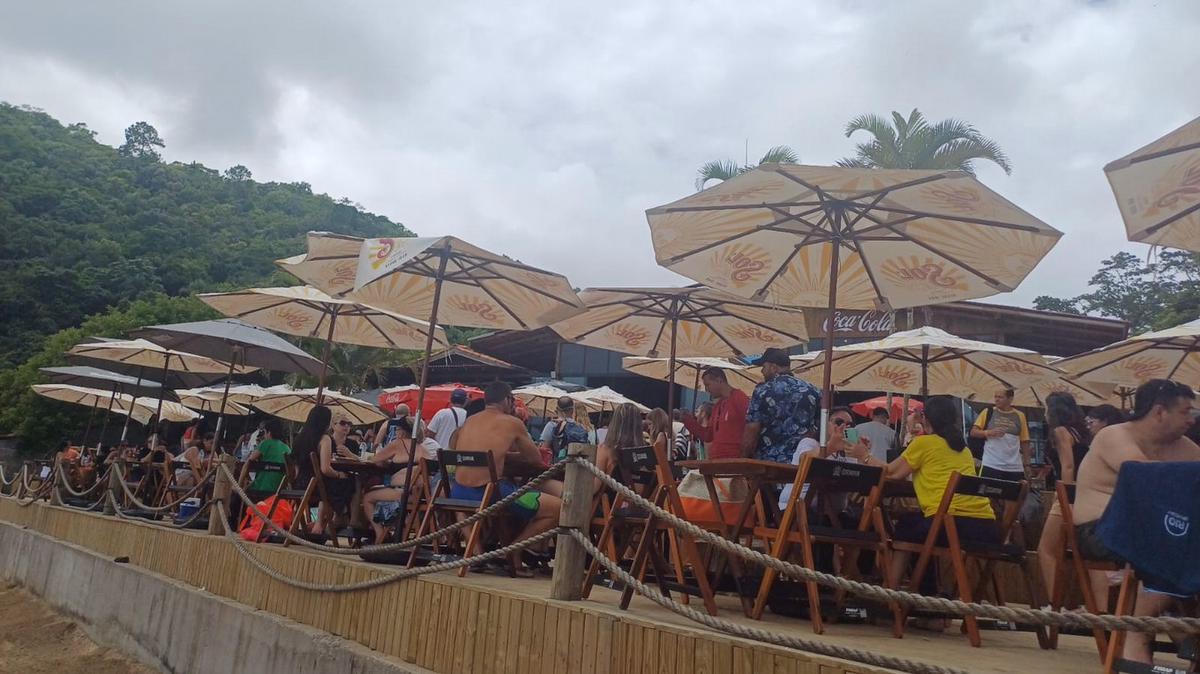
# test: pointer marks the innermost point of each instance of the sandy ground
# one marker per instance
(34, 639)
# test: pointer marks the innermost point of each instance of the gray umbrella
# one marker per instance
(107, 380)
(232, 340)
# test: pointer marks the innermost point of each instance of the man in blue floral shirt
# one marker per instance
(782, 409)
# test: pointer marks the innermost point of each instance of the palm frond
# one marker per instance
(721, 169)
(780, 154)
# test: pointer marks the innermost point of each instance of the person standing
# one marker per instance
(1006, 439)
(561, 431)
(722, 435)
(782, 409)
(878, 433)
(447, 420)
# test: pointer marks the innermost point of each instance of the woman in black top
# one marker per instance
(1069, 440)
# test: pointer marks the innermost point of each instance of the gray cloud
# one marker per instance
(544, 130)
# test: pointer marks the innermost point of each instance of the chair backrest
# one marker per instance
(466, 459)
(841, 477)
(637, 465)
(1007, 493)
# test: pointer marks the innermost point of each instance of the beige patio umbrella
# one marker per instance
(675, 322)
(1173, 354)
(140, 409)
(688, 371)
(605, 396)
(850, 238)
(928, 361)
(304, 311)
(1158, 189)
(208, 400)
(146, 354)
(295, 404)
(1086, 393)
(542, 395)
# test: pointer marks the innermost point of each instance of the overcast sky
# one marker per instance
(544, 130)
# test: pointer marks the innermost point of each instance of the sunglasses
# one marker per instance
(343, 422)
(839, 422)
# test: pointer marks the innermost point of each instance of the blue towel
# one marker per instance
(1153, 521)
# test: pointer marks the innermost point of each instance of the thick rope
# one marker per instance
(65, 483)
(746, 632)
(166, 506)
(240, 546)
(6, 482)
(182, 524)
(1124, 623)
(532, 484)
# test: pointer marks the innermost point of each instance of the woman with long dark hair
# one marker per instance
(1069, 438)
(316, 426)
(931, 459)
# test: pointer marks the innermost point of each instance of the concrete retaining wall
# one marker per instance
(173, 626)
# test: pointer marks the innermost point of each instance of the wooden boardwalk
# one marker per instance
(489, 624)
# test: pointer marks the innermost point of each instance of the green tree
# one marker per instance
(140, 141)
(913, 143)
(238, 173)
(724, 169)
(352, 368)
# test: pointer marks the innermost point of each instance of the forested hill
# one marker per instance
(85, 226)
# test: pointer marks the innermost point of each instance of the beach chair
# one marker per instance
(1009, 496)
(1069, 566)
(812, 519)
(647, 471)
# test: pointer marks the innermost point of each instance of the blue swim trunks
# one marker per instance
(525, 507)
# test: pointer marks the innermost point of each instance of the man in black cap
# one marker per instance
(782, 409)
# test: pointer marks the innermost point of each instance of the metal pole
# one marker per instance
(433, 316)
(328, 348)
(566, 583)
(827, 377)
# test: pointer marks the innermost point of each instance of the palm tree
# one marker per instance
(724, 169)
(913, 143)
(352, 368)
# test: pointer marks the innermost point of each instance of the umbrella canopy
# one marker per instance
(220, 339)
(1158, 189)
(542, 397)
(294, 405)
(477, 288)
(1173, 353)
(208, 400)
(140, 409)
(81, 375)
(308, 312)
(436, 398)
(1086, 393)
(142, 353)
(929, 361)
(688, 370)
(702, 322)
(865, 407)
(850, 238)
(605, 396)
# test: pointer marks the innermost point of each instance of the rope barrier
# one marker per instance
(403, 545)
(5, 482)
(182, 524)
(65, 483)
(166, 506)
(240, 546)
(1151, 624)
(754, 633)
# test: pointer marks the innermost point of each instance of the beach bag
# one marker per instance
(252, 525)
(698, 507)
(568, 432)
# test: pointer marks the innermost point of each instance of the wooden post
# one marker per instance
(114, 486)
(569, 556)
(222, 489)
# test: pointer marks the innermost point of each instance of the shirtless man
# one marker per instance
(498, 432)
(1162, 413)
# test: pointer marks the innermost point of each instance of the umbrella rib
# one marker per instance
(738, 207)
(821, 196)
(900, 186)
(958, 218)
(1150, 344)
(879, 358)
(491, 294)
(721, 337)
(760, 324)
(1164, 153)
(728, 239)
(993, 375)
(762, 290)
(950, 258)
(870, 272)
(1183, 354)
(662, 327)
(1166, 221)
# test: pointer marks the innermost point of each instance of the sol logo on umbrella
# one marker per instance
(294, 318)
(477, 306)
(343, 274)
(741, 264)
(1142, 367)
(957, 199)
(633, 336)
(915, 271)
(1182, 185)
(1009, 366)
(380, 249)
(733, 196)
(755, 333)
(899, 378)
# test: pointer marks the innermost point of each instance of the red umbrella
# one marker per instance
(863, 409)
(436, 398)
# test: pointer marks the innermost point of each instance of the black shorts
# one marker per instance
(1091, 547)
(914, 528)
(1010, 475)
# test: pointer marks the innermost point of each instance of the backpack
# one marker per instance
(566, 433)
(976, 444)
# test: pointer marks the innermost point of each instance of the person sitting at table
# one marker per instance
(381, 502)
(930, 459)
(837, 447)
(270, 449)
(658, 428)
(497, 431)
(624, 432)
(339, 486)
(195, 462)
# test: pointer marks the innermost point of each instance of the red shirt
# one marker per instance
(723, 434)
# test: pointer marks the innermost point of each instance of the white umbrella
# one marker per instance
(599, 397)
(208, 400)
(688, 371)
(1173, 354)
(140, 409)
(542, 395)
(1158, 189)
(295, 404)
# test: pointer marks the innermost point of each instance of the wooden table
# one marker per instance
(758, 474)
(361, 471)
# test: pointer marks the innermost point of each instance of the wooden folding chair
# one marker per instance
(321, 492)
(1010, 496)
(441, 509)
(820, 481)
(647, 470)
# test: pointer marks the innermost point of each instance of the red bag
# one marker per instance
(252, 525)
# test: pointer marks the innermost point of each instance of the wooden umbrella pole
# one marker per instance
(88, 430)
(138, 385)
(225, 395)
(671, 370)
(827, 376)
(924, 372)
(696, 391)
(107, 412)
(162, 391)
(328, 350)
(433, 317)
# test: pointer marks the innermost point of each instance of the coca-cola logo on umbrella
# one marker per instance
(865, 323)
